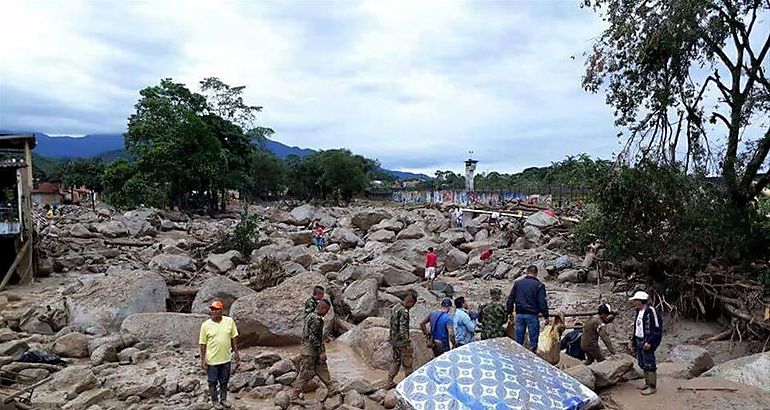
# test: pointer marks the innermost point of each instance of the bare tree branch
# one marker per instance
(756, 161)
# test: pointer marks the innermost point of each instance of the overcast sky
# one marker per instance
(415, 84)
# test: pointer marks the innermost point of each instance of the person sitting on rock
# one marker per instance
(313, 353)
(311, 304)
(400, 341)
(593, 330)
(217, 336)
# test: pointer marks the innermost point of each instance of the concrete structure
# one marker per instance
(16, 226)
(470, 174)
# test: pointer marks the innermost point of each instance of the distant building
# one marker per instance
(47, 193)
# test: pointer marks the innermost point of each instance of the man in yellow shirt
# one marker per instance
(218, 335)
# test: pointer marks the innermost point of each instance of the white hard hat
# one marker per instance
(640, 295)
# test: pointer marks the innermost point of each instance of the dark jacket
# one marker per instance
(571, 343)
(652, 323)
(528, 295)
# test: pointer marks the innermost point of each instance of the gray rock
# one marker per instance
(107, 301)
(360, 385)
(360, 298)
(80, 231)
(753, 370)
(112, 229)
(455, 259)
(304, 237)
(240, 380)
(282, 400)
(103, 354)
(562, 262)
(274, 315)
(345, 238)
(72, 345)
(413, 231)
(165, 327)
(87, 399)
(583, 374)
(383, 235)
(221, 288)
(355, 399)
(367, 218)
(456, 236)
(125, 355)
(390, 401)
(394, 277)
(611, 371)
(303, 215)
(286, 378)
(533, 233)
(266, 359)
(76, 379)
(280, 368)
(13, 348)
(392, 224)
(28, 376)
(571, 275)
(695, 358)
(223, 262)
(173, 262)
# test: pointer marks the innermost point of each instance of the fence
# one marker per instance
(555, 196)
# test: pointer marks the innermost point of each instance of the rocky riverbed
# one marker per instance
(122, 295)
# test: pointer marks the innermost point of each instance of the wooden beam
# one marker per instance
(15, 263)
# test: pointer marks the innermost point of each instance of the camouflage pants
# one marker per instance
(403, 356)
(309, 367)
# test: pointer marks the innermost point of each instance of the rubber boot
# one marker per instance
(651, 384)
(646, 380)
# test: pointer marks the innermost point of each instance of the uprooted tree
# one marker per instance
(688, 75)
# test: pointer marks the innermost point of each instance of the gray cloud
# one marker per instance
(415, 85)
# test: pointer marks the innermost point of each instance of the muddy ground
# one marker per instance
(158, 369)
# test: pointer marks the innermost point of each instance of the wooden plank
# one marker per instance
(27, 389)
(15, 263)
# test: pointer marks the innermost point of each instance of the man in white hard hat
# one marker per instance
(648, 331)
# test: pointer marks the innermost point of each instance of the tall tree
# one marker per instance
(689, 73)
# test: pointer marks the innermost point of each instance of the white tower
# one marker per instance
(470, 172)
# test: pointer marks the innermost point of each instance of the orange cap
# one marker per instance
(217, 304)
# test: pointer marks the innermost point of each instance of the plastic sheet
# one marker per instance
(492, 374)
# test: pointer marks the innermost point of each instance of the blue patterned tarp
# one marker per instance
(492, 374)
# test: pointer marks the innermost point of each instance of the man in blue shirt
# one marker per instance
(465, 329)
(528, 297)
(441, 336)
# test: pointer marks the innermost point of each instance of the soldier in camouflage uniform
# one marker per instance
(313, 354)
(492, 316)
(311, 304)
(400, 340)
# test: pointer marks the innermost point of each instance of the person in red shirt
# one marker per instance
(320, 241)
(486, 254)
(430, 266)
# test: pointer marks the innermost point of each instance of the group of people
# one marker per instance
(443, 331)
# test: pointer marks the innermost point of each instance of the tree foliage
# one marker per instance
(82, 173)
(330, 174)
(691, 74)
(678, 221)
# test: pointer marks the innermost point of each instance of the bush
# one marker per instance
(244, 238)
(679, 223)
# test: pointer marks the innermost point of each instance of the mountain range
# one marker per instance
(110, 146)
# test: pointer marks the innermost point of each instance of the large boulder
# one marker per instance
(413, 251)
(222, 288)
(360, 298)
(73, 344)
(583, 374)
(753, 370)
(107, 301)
(695, 358)
(369, 217)
(382, 235)
(303, 215)
(478, 245)
(392, 224)
(165, 327)
(392, 276)
(372, 343)
(345, 238)
(171, 261)
(112, 229)
(275, 316)
(572, 275)
(136, 225)
(456, 236)
(611, 371)
(223, 262)
(455, 259)
(80, 231)
(414, 231)
(304, 237)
